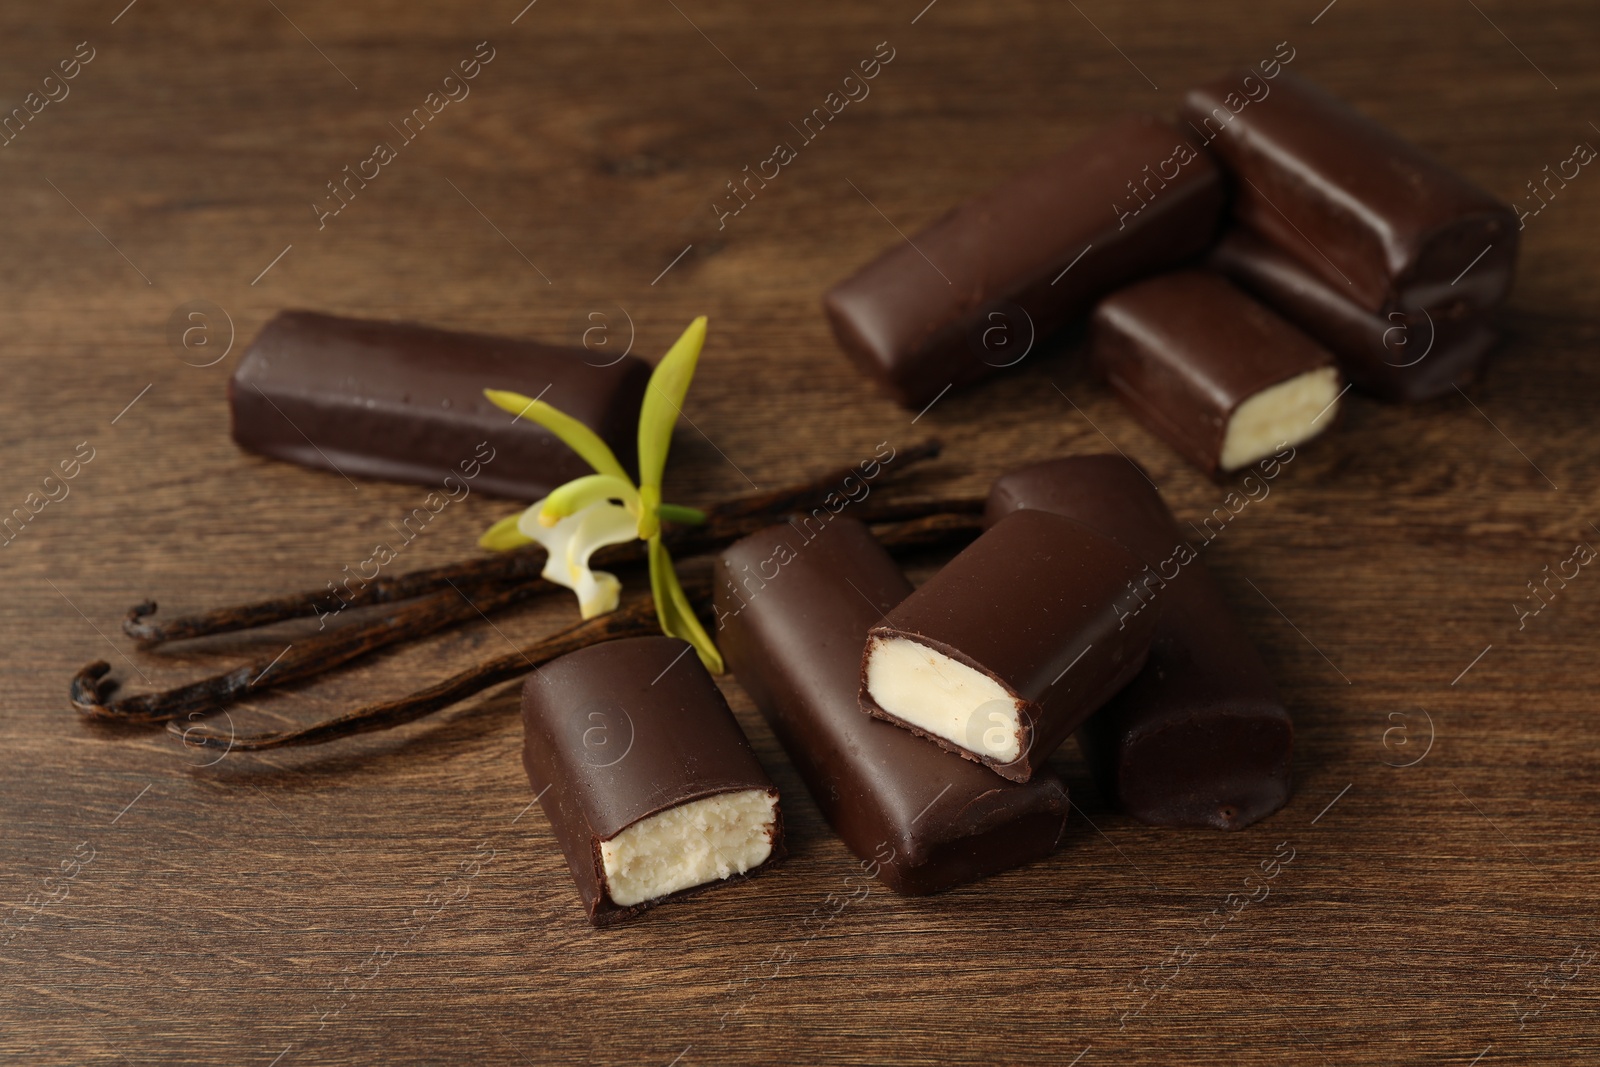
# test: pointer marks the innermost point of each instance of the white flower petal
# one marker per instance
(572, 541)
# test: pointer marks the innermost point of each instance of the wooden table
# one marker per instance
(293, 907)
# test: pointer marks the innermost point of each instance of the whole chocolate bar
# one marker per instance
(1012, 645)
(972, 292)
(405, 402)
(1362, 207)
(793, 610)
(1407, 356)
(650, 787)
(1199, 737)
(1223, 379)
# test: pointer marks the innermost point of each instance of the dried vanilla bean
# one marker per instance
(725, 523)
(636, 618)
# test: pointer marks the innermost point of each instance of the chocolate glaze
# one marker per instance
(1199, 737)
(1360, 206)
(1138, 195)
(619, 731)
(405, 402)
(1036, 603)
(1400, 356)
(1185, 349)
(794, 641)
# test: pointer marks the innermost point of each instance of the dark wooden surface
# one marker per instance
(286, 908)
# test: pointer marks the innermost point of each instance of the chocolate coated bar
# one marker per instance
(1367, 210)
(973, 291)
(405, 402)
(1399, 356)
(650, 787)
(1223, 379)
(1199, 737)
(1007, 649)
(793, 614)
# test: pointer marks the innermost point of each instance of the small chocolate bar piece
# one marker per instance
(1219, 377)
(972, 292)
(1408, 356)
(793, 612)
(405, 402)
(1007, 649)
(1367, 210)
(650, 787)
(1199, 737)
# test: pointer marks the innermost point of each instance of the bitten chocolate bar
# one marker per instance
(792, 618)
(650, 787)
(970, 293)
(1367, 210)
(1223, 379)
(1199, 737)
(1407, 356)
(405, 402)
(1007, 649)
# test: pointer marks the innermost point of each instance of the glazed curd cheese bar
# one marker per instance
(1200, 737)
(405, 402)
(1012, 645)
(1222, 378)
(793, 613)
(648, 783)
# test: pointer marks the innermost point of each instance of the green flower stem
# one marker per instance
(681, 515)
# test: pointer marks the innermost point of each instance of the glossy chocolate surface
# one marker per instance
(1037, 603)
(793, 615)
(1408, 356)
(1199, 737)
(972, 292)
(619, 731)
(405, 402)
(1359, 205)
(1183, 350)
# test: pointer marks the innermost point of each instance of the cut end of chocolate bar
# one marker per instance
(693, 844)
(942, 697)
(1289, 413)
(1224, 379)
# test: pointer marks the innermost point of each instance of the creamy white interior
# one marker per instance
(701, 841)
(948, 699)
(1280, 415)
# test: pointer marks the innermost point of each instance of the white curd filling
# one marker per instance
(702, 841)
(945, 698)
(1288, 413)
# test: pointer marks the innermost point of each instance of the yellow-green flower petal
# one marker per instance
(673, 610)
(579, 493)
(663, 401)
(503, 536)
(578, 437)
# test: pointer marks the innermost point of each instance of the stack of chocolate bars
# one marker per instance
(1240, 266)
(921, 721)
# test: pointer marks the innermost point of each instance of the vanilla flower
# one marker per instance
(606, 508)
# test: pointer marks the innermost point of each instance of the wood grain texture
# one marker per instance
(391, 895)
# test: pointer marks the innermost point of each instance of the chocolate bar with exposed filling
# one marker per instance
(793, 614)
(1007, 650)
(646, 779)
(1200, 736)
(1220, 377)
